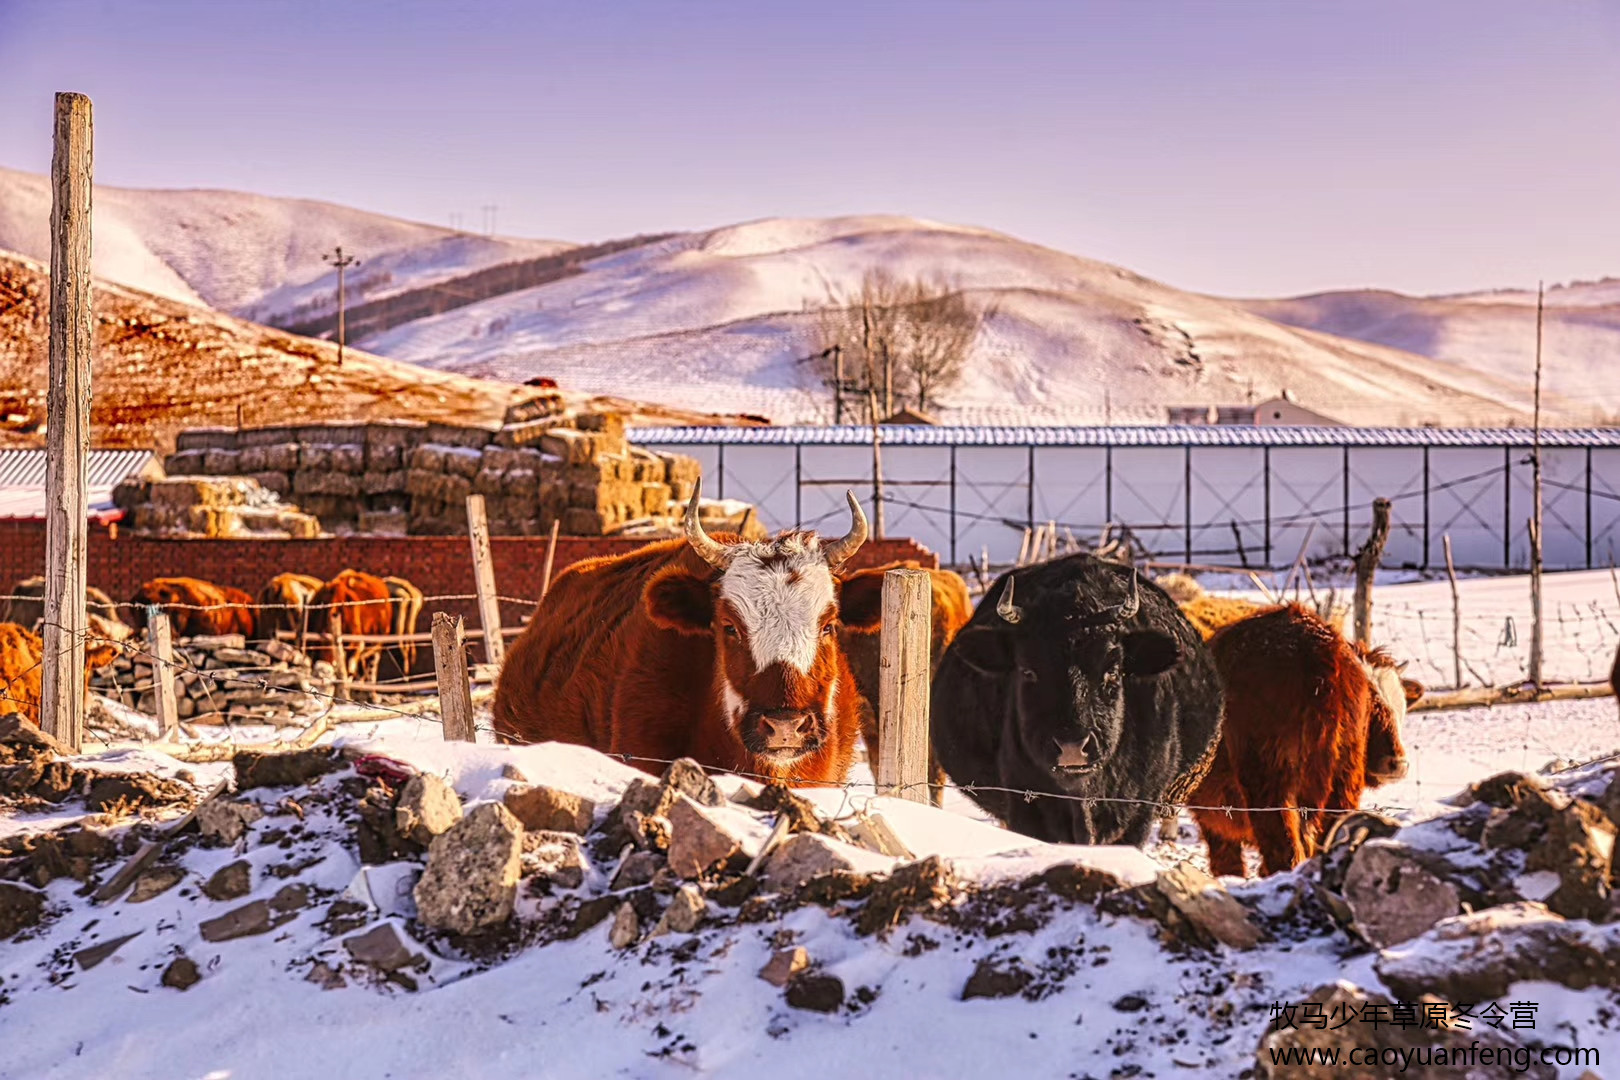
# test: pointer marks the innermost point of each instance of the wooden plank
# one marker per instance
(903, 684)
(489, 608)
(157, 627)
(1511, 695)
(67, 433)
(1456, 617)
(551, 555)
(450, 664)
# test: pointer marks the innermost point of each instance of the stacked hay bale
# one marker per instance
(212, 507)
(222, 680)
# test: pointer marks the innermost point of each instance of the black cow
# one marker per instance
(1075, 677)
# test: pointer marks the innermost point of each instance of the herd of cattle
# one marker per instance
(1078, 703)
(298, 605)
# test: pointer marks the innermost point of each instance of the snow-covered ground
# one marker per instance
(1108, 996)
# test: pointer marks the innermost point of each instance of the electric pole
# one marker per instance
(1535, 513)
(342, 262)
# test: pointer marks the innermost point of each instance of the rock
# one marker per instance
(95, 954)
(1426, 1053)
(636, 869)
(1503, 790)
(245, 921)
(1206, 904)
(290, 899)
(20, 908)
(128, 791)
(210, 642)
(559, 857)
(1392, 898)
(13, 732)
(697, 842)
(646, 797)
(800, 812)
(326, 976)
(816, 992)
(799, 858)
(156, 882)
(427, 807)
(230, 882)
(550, 809)
(1477, 957)
(829, 889)
(382, 948)
(686, 777)
(874, 833)
(626, 927)
(255, 769)
(1577, 845)
(784, 964)
(1077, 881)
(925, 884)
(510, 771)
(686, 910)
(182, 973)
(996, 978)
(472, 872)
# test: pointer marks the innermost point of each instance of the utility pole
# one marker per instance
(877, 466)
(838, 384)
(342, 262)
(1535, 513)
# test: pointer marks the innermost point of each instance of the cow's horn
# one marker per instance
(1005, 607)
(1128, 609)
(839, 551)
(708, 549)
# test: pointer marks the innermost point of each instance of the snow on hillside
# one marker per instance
(254, 256)
(1492, 332)
(724, 314)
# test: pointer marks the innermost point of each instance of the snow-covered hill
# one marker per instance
(253, 256)
(723, 314)
(1491, 331)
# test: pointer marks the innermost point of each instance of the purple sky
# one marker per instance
(1230, 146)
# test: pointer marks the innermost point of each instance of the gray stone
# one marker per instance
(557, 857)
(626, 927)
(637, 868)
(95, 954)
(685, 912)
(510, 771)
(1392, 898)
(688, 778)
(799, 858)
(382, 948)
(816, 992)
(472, 872)
(1477, 957)
(997, 977)
(226, 822)
(427, 807)
(181, 974)
(245, 921)
(548, 808)
(230, 882)
(156, 882)
(1205, 903)
(697, 842)
(784, 964)
(20, 908)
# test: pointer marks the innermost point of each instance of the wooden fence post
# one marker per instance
(67, 432)
(157, 629)
(1456, 618)
(1367, 558)
(339, 656)
(489, 607)
(450, 665)
(551, 557)
(903, 685)
(1535, 604)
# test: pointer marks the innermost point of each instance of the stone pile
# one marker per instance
(223, 679)
(398, 478)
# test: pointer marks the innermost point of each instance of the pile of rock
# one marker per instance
(402, 478)
(212, 507)
(222, 680)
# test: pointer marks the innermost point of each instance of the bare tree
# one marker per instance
(900, 340)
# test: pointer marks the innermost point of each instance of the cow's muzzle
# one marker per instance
(1077, 759)
(781, 734)
(1387, 771)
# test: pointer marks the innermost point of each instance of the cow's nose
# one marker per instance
(784, 725)
(1394, 769)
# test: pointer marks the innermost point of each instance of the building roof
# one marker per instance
(22, 481)
(1164, 435)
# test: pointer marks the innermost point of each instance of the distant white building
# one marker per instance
(1281, 411)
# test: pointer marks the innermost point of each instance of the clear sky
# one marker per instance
(1231, 146)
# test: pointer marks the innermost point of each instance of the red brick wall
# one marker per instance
(438, 565)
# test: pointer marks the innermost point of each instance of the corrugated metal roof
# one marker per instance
(106, 468)
(22, 481)
(1167, 435)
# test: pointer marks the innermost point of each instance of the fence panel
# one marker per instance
(1229, 505)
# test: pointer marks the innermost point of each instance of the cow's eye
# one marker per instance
(829, 630)
(731, 631)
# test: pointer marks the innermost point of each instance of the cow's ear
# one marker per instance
(679, 601)
(860, 601)
(1148, 652)
(983, 649)
(1414, 691)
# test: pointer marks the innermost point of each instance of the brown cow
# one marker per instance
(195, 608)
(710, 647)
(26, 608)
(860, 600)
(1209, 613)
(406, 602)
(22, 664)
(281, 603)
(362, 603)
(1311, 722)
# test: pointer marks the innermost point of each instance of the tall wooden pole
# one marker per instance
(67, 433)
(342, 262)
(489, 606)
(450, 667)
(903, 685)
(878, 526)
(1535, 513)
(1367, 559)
(1456, 618)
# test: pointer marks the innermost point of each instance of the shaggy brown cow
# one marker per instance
(1210, 613)
(406, 602)
(710, 647)
(1310, 721)
(281, 603)
(195, 608)
(22, 674)
(26, 608)
(861, 603)
(362, 603)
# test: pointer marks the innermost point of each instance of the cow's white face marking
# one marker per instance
(731, 702)
(780, 590)
(1387, 681)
